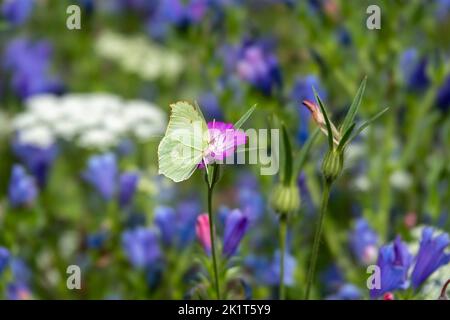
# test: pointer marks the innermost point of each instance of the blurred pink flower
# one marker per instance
(202, 231)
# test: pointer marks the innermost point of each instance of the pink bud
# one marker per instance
(410, 220)
(316, 112)
(388, 296)
(202, 231)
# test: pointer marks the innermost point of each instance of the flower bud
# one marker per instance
(332, 165)
(285, 199)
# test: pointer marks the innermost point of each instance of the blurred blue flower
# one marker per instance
(257, 64)
(443, 9)
(187, 212)
(236, 224)
(346, 292)
(17, 12)
(18, 291)
(210, 106)
(364, 242)
(394, 260)
(141, 246)
(289, 268)
(303, 90)
(344, 37)
(413, 68)
(443, 95)
(250, 199)
(268, 272)
(38, 160)
(22, 187)
(125, 147)
(4, 259)
(96, 240)
(101, 173)
(29, 64)
(20, 270)
(431, 256)
(177, 225)
(128, 183)
(165, 219)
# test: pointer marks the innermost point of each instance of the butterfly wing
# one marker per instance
(184, 144)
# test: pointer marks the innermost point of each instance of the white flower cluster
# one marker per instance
(93, 121)
(139, 56)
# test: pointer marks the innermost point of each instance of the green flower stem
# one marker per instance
(317, 237)
(212, 230)
(283, 228)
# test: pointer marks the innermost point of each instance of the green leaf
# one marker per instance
(327, 120)
(345, 138)
(300, 159)
(350, 117)
(287, 163)
(368, 122)
(244, 118)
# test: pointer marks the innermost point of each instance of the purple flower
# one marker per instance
(249, 197)
(431, 256)
(346, 292)
(38, 160)
(165, 219)
(394, 261)
(210, 106)
(236, 224)
(268, 272)
(97, 240)
(29, 64)
(303, 90)
(363, 242)
(17, 12)
(141, 246)
(128, 183)
(187, 212)
(22, 187)
(224, 140)
(443, 95)
(257, 65)
(4, 259)
(101, 173)
(20, 270)
(18, 291)
(413, 68)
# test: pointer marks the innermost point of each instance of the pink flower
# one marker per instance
(202, 231)
(223, 141)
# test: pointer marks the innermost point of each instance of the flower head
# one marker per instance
(236, 224)
(203, 232)
(223, 141)
(302, 90)
(128, 182)
(141, 246)
(18, 291)
(320, 120)
(364, 241)
(29, 63)
(4, 259)
(17, 12)
(38, 160)
(413, 69)
(257, 65)
(394, 261)
(101, 173)
(431, 256)
(22, 188)
(165, 219)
